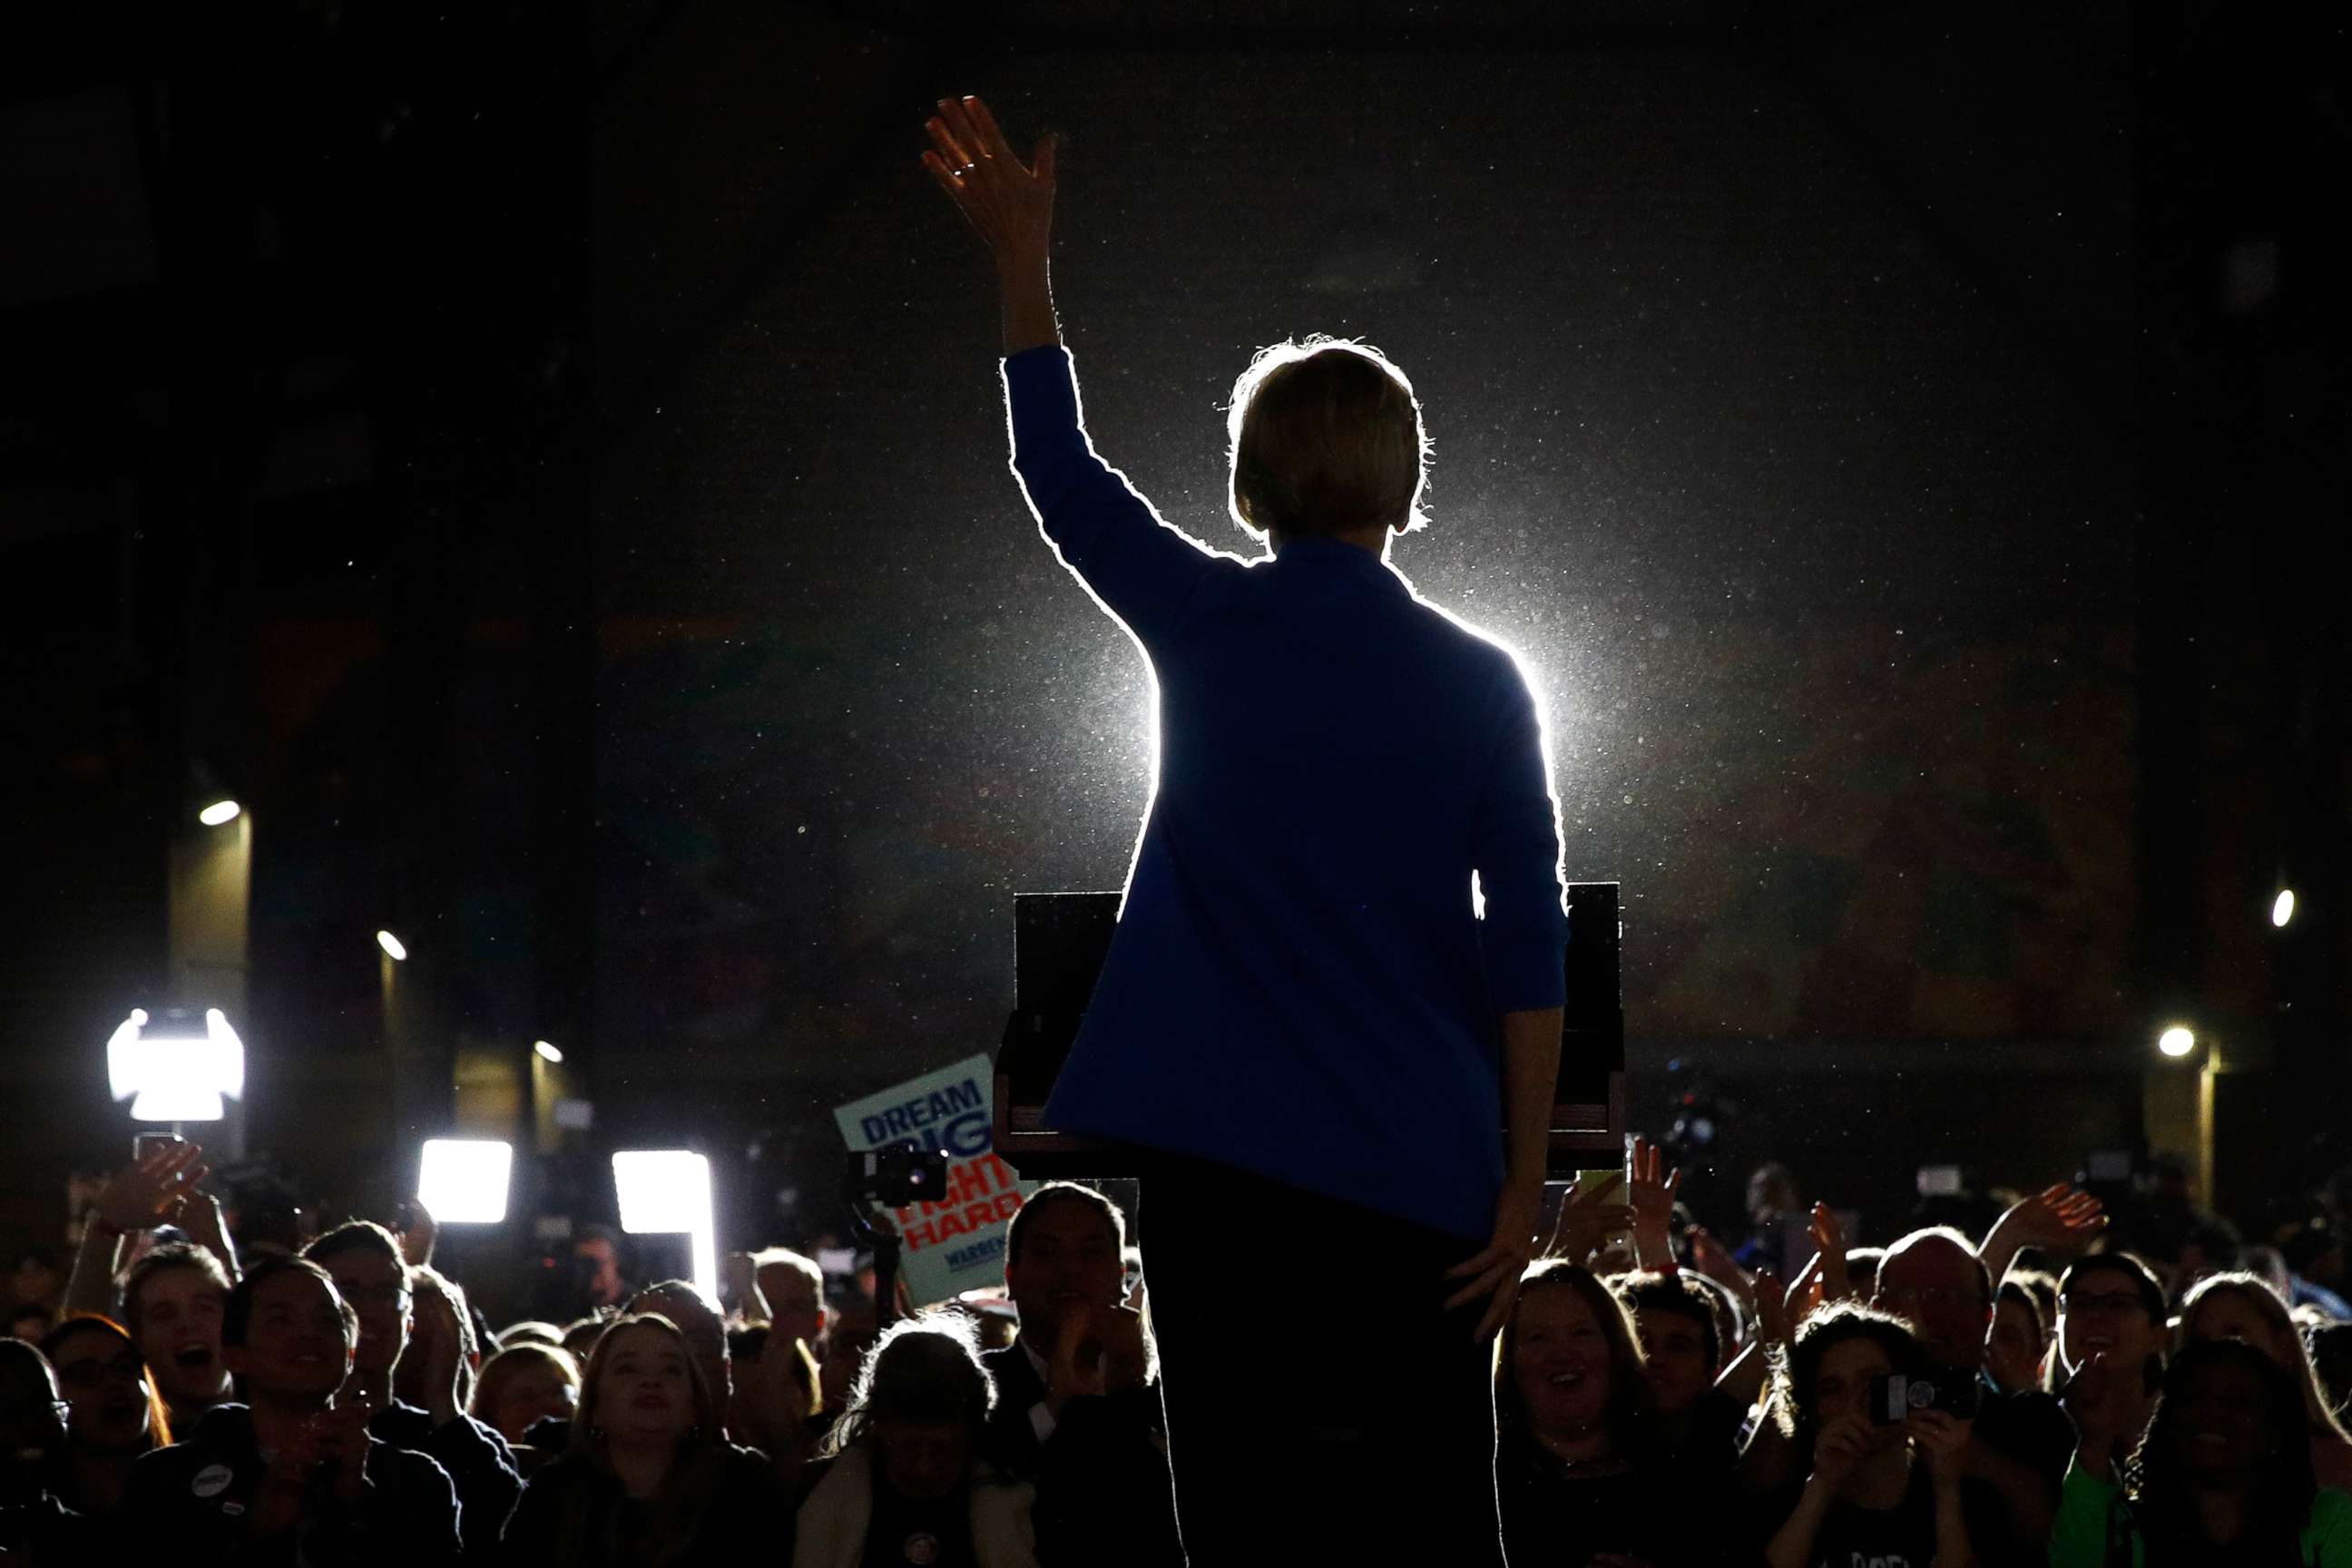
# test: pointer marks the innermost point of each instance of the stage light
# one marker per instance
(2283, 907)
(665, 1190)
(547, 1051)
(220, 812)
(463, 1181)
(2177, 1041)
(391, 945)
(170, 1076)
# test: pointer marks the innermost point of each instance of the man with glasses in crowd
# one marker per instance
(2110, 1304)
(2018, 1443)
(364, 1259)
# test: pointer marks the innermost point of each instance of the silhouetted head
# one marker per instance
(1326, 438)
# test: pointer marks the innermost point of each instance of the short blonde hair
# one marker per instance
(1326, 436)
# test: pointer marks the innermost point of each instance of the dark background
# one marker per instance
(548, 466)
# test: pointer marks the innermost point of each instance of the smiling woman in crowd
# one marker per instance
(647, 1480)
(2242, 1307)
(2222, 1477)
(1574, 1476)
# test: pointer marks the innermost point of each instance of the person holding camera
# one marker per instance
(1883, 1480)
(2018, 1443)
(1337, 976)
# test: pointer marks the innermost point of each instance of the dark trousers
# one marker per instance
(1321, 1404)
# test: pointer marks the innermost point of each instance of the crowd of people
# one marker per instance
(2082, 1386)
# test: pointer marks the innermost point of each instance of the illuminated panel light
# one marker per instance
(2283, 907)
(219, 812)
(2176, 1041)
(664, 1192)
(176, 1077)
(391, 945)
(463, 1181)
(547, 1052)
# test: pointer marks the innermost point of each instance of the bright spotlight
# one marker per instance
(547, 1051)
(463, 1181)
(220, 812)
(391, 946)
(171, 1073)
(2176, 1041)
(668, 1191)
(2283, 907)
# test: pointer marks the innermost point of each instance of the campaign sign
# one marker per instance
(955, 1243)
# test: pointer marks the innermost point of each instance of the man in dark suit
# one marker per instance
(1078, 1408)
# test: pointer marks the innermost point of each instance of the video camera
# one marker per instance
(896, 1176)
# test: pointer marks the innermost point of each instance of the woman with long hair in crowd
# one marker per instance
(2239, 1306)
(1876, 1489)
(116, 1414)
(901, 1477)
(647, 1480)
(1574, 1472)
(2222, 1477)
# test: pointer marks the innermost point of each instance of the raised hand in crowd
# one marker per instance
(202, 1218)
(1774, 1321)
(1829, 1250)
(1651, 1195)
(740, 1286)
(1806, 1294)
(1588, 1217)
(1743, 1375)
(2059, 1218)
(153, 1190)
(1097, 1351)
(2088, 1396)
(418, 1231)
(1711, 1257)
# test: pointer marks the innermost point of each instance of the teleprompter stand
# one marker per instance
(1059, 942)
